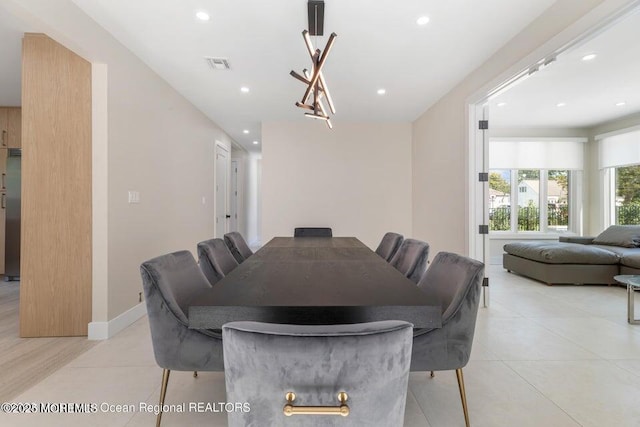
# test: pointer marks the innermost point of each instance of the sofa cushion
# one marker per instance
(627, 236)
(618, 250)
(562, 253)
(631, 260)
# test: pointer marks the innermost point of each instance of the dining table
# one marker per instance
(313, 281)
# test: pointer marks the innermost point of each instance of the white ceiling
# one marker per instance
(379, 45)
(590, 89)
(11, 31)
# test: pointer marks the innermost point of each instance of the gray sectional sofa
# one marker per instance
(578, 260)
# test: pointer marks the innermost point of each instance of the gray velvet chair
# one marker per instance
(389, 245)
(312, 232)
(411, 259)
(238, 246)
(169, 281)
(454, 282)
(215, 259)
(368, 361)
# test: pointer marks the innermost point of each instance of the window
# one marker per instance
(619, 163)
(545, 177)
(542, 202)
(627, 195)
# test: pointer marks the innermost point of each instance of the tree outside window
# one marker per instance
(532, 186)
(627, 203)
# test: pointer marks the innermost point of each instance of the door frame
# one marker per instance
(589, 26)
(227, 150)
(236, 168)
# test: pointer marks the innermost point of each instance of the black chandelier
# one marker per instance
(314, 79)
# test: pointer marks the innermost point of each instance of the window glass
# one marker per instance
(558, 200)
(627, 201)
(500, 200)
(528, 200)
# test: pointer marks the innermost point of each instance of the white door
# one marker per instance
(222, 184)
(233, 224)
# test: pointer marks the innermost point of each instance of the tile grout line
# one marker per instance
(541, 393)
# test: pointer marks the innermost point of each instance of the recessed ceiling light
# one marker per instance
(589, 57)
(561, 104)
(501, 104)
(423, 20)
(381, 91)
(256, 142)
(203, 16)
(244, 89)
(245, 131)
(621, 104)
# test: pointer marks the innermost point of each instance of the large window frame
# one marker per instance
(574, 201)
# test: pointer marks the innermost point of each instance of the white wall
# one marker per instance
(157, 143)
(440, 134)
(355, 178)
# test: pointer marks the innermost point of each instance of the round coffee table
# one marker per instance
(633, 284)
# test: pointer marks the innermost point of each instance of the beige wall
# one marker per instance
(440, 135)
(157, 143)
(355, 178)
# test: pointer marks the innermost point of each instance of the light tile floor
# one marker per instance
(543, 356)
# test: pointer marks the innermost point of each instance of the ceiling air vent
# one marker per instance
(218, 63)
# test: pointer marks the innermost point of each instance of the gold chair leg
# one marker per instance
(163, 393)
(463, 396)
(432, 374)
(195, 374)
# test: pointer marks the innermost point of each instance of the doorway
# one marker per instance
(233, 221)
(222, 190)
(501, 176)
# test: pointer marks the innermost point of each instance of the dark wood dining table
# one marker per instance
(313, 281)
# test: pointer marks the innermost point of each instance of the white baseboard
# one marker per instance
(105, 330)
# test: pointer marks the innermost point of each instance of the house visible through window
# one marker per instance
(541, 204)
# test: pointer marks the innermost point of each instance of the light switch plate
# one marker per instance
(134, 196)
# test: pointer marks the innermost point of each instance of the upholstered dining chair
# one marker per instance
(411, 259)
(389, 245)
(215, 260)
(289, 374)
(238, 246)
(312, 232)
(454, 282)
(169, 281)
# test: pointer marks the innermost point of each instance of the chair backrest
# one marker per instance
(312, 232)
(454, 282)
(215, 259)
(238, 246)
(411, 259)
(389, 245)
(450, 279)
(368, 361)
(170, 281)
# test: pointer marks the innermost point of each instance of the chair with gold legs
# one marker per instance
(453, 281)
(169, 281)
(318, 375)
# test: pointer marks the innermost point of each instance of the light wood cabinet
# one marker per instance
(4, 127)
(10, 127)
(14, 125)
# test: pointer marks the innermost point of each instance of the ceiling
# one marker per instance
(11, 31)
(379, 45)
(590, 89)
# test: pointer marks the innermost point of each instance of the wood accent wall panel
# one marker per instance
(55, 290)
